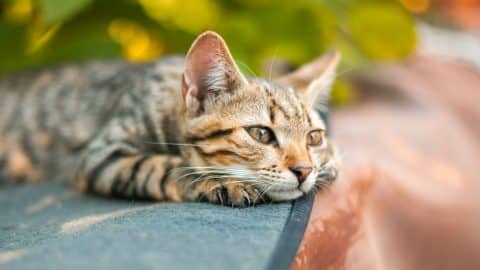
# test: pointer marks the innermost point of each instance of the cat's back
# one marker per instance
(46, 98)
(56, 111)
(42, 98)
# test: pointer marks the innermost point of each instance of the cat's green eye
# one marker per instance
(315, 138)
(262, 134)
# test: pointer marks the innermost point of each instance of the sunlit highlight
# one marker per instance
(137, 44)
(19, 11)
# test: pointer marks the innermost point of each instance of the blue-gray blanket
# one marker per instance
(47, 226)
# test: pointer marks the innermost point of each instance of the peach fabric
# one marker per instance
(408, 196)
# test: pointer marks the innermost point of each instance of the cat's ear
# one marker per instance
(313, 81)
(209, 69)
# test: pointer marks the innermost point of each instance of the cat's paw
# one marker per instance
(235, 194)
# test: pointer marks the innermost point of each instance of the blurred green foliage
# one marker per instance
(43, 32)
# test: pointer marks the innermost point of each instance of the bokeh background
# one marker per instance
(260, 33)
(407, 196)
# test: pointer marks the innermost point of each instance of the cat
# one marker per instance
(176, 129)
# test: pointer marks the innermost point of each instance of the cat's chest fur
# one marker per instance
(47, 117)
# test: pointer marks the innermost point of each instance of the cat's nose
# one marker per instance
(301, 172)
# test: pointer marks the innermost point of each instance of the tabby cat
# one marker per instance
(177, 129)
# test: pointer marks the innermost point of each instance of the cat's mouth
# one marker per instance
(285, 195)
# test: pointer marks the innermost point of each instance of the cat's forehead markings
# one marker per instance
(281, 100)
(306, 113)
(300, 118)
(284, 107)
(275, 105)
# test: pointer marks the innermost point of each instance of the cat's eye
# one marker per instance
(315, 138)
(262, 134)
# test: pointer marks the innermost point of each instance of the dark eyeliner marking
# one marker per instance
(271, 114)
(309, 120)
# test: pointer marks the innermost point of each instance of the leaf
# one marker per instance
(382, 31)
(343, 92)
(60, 10)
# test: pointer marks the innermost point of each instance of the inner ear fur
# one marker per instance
(313, 80)
(210, 68)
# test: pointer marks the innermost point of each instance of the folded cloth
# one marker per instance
(47, 226)
(407, 197)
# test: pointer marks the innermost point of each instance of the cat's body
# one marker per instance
(49, 117)
(152, 131)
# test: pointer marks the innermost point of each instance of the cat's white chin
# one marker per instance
(289, 195)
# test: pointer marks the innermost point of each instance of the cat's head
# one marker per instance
(267, 133)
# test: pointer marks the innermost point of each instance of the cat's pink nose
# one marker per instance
(301, 172)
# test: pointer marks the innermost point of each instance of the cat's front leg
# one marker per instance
(119, 170)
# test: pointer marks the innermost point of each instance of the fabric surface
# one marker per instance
(407, 195)
(47, 226)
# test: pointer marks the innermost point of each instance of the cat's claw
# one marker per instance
(235, 195)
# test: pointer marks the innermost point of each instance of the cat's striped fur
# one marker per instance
(167, 130)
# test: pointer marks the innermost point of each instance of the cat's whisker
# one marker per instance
(198, 179)
(243, 182)
(269, 188)
(174, 144)
(265, 191)
(222, 174)
(241, 176)
(200, 170)
(223, 168)
(209, 169)
(214, 173)
(210, 173)
(212, 167)
(260, 181)
(340, 73)
(272, 179)
(205, 176)
(191, 173)
(284, 186)
(214, 177)
(239, 179)
(270, 69)
(247, 67)
(323, 185)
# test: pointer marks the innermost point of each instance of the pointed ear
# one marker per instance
(209, 69)
(313, 81)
